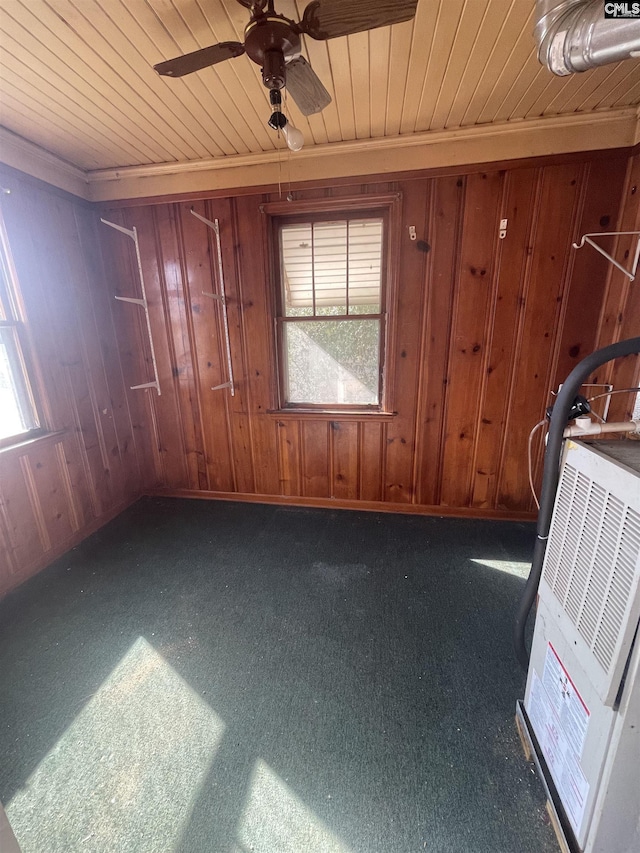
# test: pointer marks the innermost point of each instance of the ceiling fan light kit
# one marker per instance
(293, 137)
(278, 121)
(273, 42)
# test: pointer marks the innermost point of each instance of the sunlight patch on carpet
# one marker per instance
(275, 819)
(126, 773)
(519, 569)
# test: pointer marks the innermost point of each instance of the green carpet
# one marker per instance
(204, 677)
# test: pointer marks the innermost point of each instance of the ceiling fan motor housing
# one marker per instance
(270, 40)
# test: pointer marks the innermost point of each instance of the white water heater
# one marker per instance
(582, 701)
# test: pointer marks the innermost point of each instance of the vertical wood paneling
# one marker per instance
(81, 362)
(473, 300)
(590, 270)
(75, 512)
(372, 447)
(116, 410)
(503, 336)
(550, 245)
(101, 374)
(289, 457)
(443, 236)
(315, 459)
(400, 433)
(57, 488)
(23, 527)
(251, 264)
(480, 332)
(344, 442)
(240, 404)
(6, 555)
(34, 499)
(625, 372)
(173, 448)
(49, 496)
(208, 347)
(178, 320)
(620, 315)
(126, 332)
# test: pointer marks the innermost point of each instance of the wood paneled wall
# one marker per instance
(620, 314)
(484, 328)
(97, 456)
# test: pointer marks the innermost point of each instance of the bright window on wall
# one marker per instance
(18, 413)
(332, 310)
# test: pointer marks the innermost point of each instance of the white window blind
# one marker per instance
(332, 264)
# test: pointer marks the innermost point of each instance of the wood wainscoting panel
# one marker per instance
(620, 316)
(555, 200)
(23, 528)
(472, 323)
(92, 458)
(506, 321)
(345, 460)
(316, 458)
(481, 331)
(442, 236)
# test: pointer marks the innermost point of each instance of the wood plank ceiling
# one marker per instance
(76, 78)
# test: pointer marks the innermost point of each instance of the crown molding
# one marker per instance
(25, 156)
(409, 152)
(489, 143)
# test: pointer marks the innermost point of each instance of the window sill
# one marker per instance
(331, 414)
(23, 445)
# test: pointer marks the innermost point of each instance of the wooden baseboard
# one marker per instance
(366, 506)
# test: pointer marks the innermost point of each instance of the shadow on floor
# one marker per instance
(210, 677)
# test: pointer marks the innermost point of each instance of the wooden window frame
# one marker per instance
(23, 366)
(385, 207)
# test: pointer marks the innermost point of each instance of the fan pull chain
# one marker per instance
(279, 168)
(289, 193)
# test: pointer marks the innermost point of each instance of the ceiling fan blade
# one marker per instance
(191, 62)
(305, 87)
(327, 19)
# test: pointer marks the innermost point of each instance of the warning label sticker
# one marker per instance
(567, 702)
(560, 720)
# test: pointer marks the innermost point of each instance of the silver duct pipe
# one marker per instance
(573, 35)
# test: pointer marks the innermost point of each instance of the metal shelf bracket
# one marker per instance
(630, 273)
(222, 299)
(133, 234)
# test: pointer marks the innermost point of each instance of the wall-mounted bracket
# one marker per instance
(133, 234)
(153, 384)
(222, 299)
(630, 273)
(132, 299)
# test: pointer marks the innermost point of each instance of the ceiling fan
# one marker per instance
(273, 42)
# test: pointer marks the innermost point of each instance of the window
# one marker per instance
(331, 312)
(18, 414)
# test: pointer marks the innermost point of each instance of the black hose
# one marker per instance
(551, 475)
